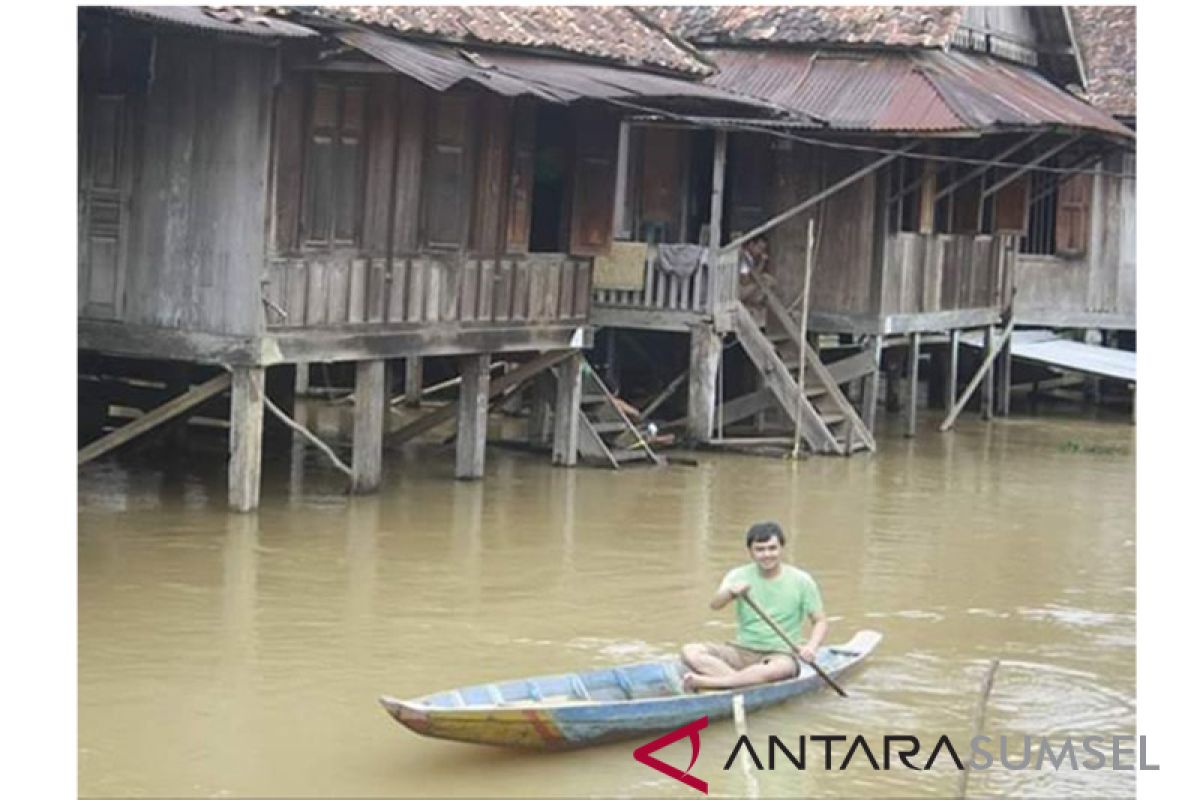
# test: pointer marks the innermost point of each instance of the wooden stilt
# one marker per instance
(914, 361)
(245, 437)
(702, 382)
(301, 378)
(871, 390)
(414, 374)
(566, 411)
(472, 417)
(1004, 378)
(984, 368)
(370, 396)
(541, 398)
(988, 390)
(952, 369)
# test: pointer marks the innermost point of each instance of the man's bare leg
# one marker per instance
(775, 668)
(697, 658)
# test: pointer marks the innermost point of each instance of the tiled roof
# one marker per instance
(898, 26)
(1107, 39)
(611, 33)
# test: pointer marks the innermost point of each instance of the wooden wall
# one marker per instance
(1098, 288)
(187, 149)
(928, 273)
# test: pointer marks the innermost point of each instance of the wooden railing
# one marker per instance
(945, 272)
(664, 291)
(330, 291)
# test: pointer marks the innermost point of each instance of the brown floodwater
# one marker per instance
(241, 655)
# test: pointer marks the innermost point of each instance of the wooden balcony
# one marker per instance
(666, 301)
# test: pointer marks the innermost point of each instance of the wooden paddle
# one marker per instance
(778, 630)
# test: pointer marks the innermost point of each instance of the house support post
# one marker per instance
(414, 384)
(716, 292)
(871, 391)
(914, 361)
(952, 370)
(987, 391)
(245, 437)
(702, 382)
(472, 416)
(370, 397)
(541, 394)
(301, 378)
(1004, 378)
(565, 451)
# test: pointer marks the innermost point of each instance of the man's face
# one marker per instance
(767, 554)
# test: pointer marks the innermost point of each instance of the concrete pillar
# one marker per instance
(370, 399)
(471, 442)
(566, 411)
(702, 382)
(245, 437)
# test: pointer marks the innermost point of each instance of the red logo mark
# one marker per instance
(692, 731)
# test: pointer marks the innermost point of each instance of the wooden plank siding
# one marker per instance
(927, 273)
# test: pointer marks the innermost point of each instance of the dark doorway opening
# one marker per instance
(548, 230)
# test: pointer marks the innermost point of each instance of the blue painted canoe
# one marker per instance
(555, 712)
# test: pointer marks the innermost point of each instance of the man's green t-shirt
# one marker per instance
(789, 598)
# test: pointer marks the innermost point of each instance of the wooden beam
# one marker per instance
(500, 385)
(948, 423)
(871, 391)
(664, 395)
(816, 198)
(975, 173)
(715, 208)
(702, 384)
(988, 393)
(245, 437)
(310, 436)
(914, 363)
(567, 416)
(471, 446)
(1016, 173)
(952, 369)
(414, 379)
(370, 395)
(152, 419)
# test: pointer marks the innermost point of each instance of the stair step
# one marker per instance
(831, 417)
(592, 399)
(630, 455)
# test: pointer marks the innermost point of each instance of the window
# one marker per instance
(1059, 215)
(333, 175)
(446, 201)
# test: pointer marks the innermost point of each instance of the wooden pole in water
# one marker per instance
(800, 398)
(739, 724)
(985, 691)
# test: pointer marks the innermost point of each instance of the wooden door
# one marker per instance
(103, 206)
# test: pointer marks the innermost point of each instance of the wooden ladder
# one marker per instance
(606, 434)
(829, 422)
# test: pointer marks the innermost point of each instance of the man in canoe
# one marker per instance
(758, 654)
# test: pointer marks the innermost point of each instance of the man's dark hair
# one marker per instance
(763, 531)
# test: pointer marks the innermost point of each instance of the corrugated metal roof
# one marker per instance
(228, 20)
(441, 66)
(611, 33)
(910, 91)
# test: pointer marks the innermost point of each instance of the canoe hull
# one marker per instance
(567, 725)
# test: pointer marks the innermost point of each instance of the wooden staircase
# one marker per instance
(829, 423)
(606, 434)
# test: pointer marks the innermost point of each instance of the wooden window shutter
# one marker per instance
(595, 179)
(1011, 202)
(446, 205)
(1072, 216)
(491, 183)
(520, 192)
(662, 176)
(318, 184)
(348, 167)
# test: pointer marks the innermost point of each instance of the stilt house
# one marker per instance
(358, 184)
(922, 143)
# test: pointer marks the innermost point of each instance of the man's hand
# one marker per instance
(807, 654)
(737, 589)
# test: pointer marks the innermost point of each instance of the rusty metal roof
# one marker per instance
(611, 33)
(507, 72)
(906, 91)
(219, 19)
(1107, 38)
(896, 26)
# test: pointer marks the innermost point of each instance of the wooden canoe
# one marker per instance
(555, 712)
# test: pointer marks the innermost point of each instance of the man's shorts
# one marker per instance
(740, 657)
